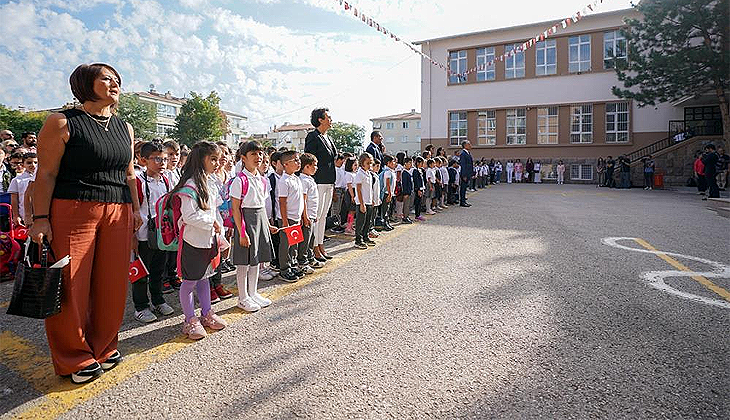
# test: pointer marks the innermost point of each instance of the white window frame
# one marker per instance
(389, 126)
(404, 139)
(390, 139)
(163, 129)
(418, 139)
(617, 122)
(487, 128)
(377, 126)
(485, 55)
(581, 123)
(611, 41)
(577, 63)
(511, 69)
(418, 124)
(516, 126)
(581, 172)
(458, 127)
(457, 64)
(166, 110)
(547, 125)
(542, 49)
(405, 124)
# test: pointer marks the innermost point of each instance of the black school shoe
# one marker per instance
(87, 374)
(112, 361)
(288, 276)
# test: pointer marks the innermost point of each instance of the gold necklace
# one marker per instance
(104, 126)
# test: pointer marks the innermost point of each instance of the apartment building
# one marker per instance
(550, 102)
(401, 132)
(291, 136)
(168, 108)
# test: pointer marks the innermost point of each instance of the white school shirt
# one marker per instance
(349, 179)
(173, 175)
(389, 174)
(255, 197)
(444, 175)
(376, 189)
(19, 185)
(158, 188)
(498, 167)
(365, 180)
(537, 167)
(340, 180)
(431, 175)
(238, 167)
(309, 186)
(510, 166)
(290, 186)
(198, 223)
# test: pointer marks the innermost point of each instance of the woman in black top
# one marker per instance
(85, 204)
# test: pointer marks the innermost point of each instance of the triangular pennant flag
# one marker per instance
(564, 24)
(347, 6)
(355, 9)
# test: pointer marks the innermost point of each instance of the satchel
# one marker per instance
(37, 289)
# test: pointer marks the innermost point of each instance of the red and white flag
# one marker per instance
(294, 234)
(137, 270)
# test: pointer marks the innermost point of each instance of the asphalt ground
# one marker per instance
(518, 307)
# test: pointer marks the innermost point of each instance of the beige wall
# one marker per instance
(397, 132)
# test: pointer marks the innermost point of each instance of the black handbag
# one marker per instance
(37, 288)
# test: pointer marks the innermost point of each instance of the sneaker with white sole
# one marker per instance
(306, 269)
(260, 300)
(87, 374)
(266, 275)
(316, 264)
(146, 316)
(194, 329)
(213, 321)
(112, 361)
(164, 309)
(248, 305)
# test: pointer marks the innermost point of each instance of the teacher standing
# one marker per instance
(320, 145)
(85, 204)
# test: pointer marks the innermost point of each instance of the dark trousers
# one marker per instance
(417, 204)
(171, 266)
(275, 246)
(625, 179)
(649, 179)
(610, 182)
(383, 212)
(286, 253)
(305, 248)
(462, 190)
(155, 261)
(713, 191)
(701, 183)
(362, 222)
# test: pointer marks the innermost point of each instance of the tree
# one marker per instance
(680, 48)
(346, 136)
(19, 122)
(141, 115)
(200, 118)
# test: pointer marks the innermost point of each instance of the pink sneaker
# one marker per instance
(213, 321)
(420, 218)
(194, 329)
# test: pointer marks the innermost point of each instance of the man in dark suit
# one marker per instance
(374, 147)
(466, 162)
(710, 160)
(320, 145)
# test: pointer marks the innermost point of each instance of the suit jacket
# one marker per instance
(374, 150)
(466, 162)
(321, 146)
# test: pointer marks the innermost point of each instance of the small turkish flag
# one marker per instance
(294, 234)
(20, 233)
(137, 270)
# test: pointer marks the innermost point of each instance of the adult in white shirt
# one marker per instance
(510, 170)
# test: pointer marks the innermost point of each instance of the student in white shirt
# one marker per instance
(347, 213)
(444, 181)
(19, 185)
(430, 186)
(388, 188)
(364, 201)
(377, 200)
(338, 196)
(290, 195)
(305, 249)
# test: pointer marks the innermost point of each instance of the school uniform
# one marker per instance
(305, 249)
(253, 213)
(339, 194)
(273, 212)
(537, 173)
(510, 171)
(377, 199)
(385, 207)
(199, 240)
(363, 179)
(289, 187)
(173, 176)
(149, 190)
(418, 186)
(19, 185)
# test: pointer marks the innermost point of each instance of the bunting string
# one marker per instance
(562, 24)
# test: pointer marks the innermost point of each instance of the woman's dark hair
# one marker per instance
(82, 80)
(429, 148)
(387, 159)
(318, 114)
(195, 169)
(407, 159)
(349, 163)
(275, 157)
(419, 160)
(249, 146)
(439, 150)
(400, 156)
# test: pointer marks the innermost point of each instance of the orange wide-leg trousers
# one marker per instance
(97, 236)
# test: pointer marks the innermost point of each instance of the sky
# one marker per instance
(270, 60)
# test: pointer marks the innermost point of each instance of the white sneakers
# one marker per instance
(249, 305)
(164, 309)
(260, 300)
(146, 316)
(266, 275)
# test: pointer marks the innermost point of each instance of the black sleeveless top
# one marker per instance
(94, 165)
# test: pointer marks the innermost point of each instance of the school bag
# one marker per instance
(10, 249)
(168, 216)
(225, 209)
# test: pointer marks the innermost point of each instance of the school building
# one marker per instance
(553, 101)
(401, 132)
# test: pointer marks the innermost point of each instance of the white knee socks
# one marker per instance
(253, 279)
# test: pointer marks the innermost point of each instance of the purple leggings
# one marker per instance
(186, 297)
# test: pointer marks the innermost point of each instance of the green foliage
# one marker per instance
(200, 118)
(346, 136)
(141, 115)
(19, 122)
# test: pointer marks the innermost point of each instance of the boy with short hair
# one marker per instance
(363, 185)
(388, 186)
(290, 195)
(173, 172)
(151, 185)
(430, 186)
(377, 200)
(453, 182)
(19, 185)
(339, 194)
(305, 249)
(406, 182)
(418, 188)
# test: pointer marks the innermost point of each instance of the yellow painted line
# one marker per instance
(679, 266)
(60, 396)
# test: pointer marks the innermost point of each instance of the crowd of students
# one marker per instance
(18, 163)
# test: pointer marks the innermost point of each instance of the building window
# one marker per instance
(547, 125)
(457, 64)
(163, 130)
(514, 66)
(390, 139)
(516, 126)
(405, 124)
(418, 139)
(485, 55)
(418, 124)
(377, 125)
(703, 120)
(581, 172)
(614, 48)
(617, 122)
(546, 58)
(389, 126)
(487, 128)
(457, 128)
(581, 124)
(404, 139)
(168, 111)
(579, 53)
